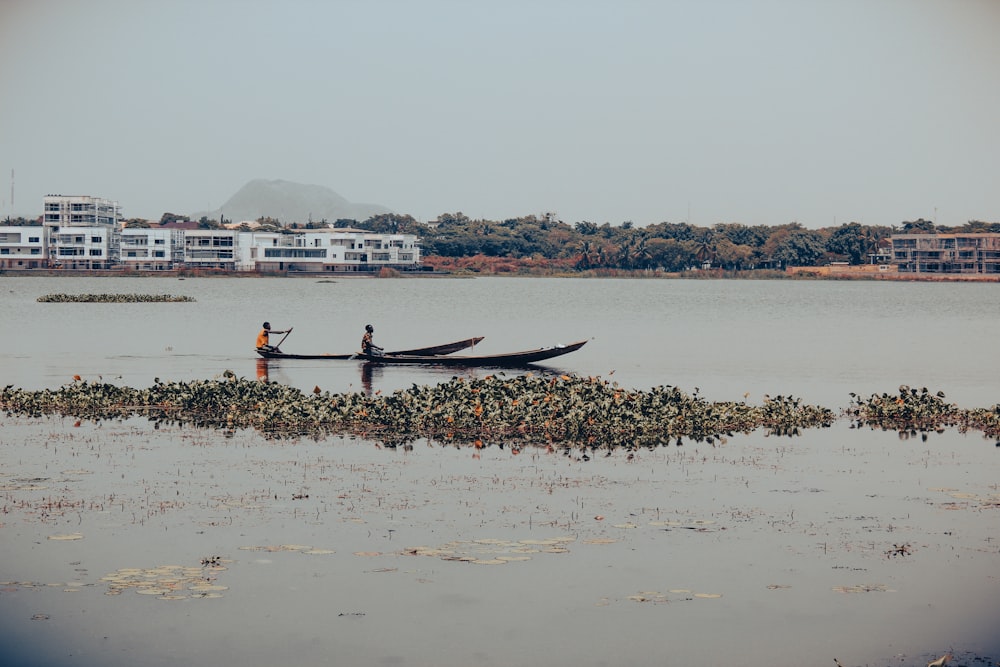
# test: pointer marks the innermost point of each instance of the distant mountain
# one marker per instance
(290, 202)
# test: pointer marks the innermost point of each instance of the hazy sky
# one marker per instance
(752, 111)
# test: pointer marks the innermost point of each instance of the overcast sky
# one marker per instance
(752, 111)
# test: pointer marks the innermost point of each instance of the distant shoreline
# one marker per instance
(793, 273)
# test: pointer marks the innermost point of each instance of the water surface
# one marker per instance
(841, 543)
(819, 340)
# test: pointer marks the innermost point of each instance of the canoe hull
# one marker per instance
(432, 351)
(507, 360)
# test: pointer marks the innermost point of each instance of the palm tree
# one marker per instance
(642, 255)
(706, 251)
(587, 255)
(626, 257)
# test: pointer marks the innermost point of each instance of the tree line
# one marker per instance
(663, 246)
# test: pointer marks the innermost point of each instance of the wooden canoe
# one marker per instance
(432, 351)
(509, 359)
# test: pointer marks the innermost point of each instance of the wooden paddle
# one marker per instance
(278, 346)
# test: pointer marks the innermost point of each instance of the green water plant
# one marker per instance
(913, 410)
(514, 411)
(113, 298)
(523, 410)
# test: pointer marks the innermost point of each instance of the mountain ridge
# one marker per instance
(287, 202)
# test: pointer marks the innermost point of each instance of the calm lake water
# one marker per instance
(816, 340)
(842, 543)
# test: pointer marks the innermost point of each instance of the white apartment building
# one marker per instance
(143, 249)
(975, 252)
(329, 250)
(210, 249)
(84, 233)
(83, 247)
(79, 231)
(79, 210)
(23, 247)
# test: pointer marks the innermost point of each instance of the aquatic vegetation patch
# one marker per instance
(297, 548)
(492, 551)
(113, 298)
(525, 410)
(863, 588)
(659, 597)
(912, 410)
(170, 582)
(971, 500)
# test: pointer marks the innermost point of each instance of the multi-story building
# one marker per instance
(210, 249)
(145, 249)
(329, 250)
(79, 231)
(83, 247)
(947, 253)
(80, 210)
(84, 233)
(23, 247)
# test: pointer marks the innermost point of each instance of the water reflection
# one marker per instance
(262, 369)
(370, 372)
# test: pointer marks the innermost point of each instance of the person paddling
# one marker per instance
(263, 341)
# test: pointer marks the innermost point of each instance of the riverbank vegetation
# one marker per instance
(545, 245)
(533, 244)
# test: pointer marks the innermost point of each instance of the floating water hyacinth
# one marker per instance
(912, 410)
(498, 411)
(113, 298)
(527, 410)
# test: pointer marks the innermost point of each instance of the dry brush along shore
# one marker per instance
(525, 410)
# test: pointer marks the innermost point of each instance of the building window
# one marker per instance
(33, 239)
(95, 252)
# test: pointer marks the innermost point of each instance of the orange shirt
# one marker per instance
(262, 337)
